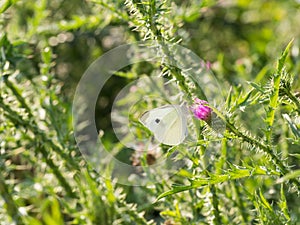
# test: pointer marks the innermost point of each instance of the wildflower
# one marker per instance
(201, 110)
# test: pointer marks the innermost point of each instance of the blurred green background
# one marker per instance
(239, 36)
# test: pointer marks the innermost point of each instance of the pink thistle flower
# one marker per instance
(201, 110)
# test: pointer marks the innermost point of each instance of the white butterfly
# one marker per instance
(168, 123)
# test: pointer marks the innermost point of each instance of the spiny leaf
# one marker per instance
(296, 155)
(176, 189)
(282, 59)
(235, 173)
(264, 201)
(257, 87)
(291, 175)
(283, 204)
(292, 125)
(274, 95)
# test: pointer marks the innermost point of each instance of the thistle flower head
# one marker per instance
(201, 110)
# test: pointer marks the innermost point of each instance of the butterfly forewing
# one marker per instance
(168, 123)
(177, 129)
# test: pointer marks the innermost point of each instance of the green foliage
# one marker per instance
(234, 173)
(250, 175)
(6, 4)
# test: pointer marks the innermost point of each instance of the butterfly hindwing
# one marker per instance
(177, 129)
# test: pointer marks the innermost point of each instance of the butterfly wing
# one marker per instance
(151, 119)
(176, 130)
(168, 123)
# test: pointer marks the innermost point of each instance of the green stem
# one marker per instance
(12, 208)
(166, 51)
(215, 203)
(239, 203)
(55, 169)
(16, 93)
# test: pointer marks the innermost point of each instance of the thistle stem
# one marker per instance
(265, 148)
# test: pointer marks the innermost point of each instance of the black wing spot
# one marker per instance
(157, 120)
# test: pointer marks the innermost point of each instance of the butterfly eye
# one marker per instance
(157, 120)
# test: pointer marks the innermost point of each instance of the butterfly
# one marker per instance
(168, 123)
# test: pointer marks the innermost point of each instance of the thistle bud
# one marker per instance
(200, 110)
